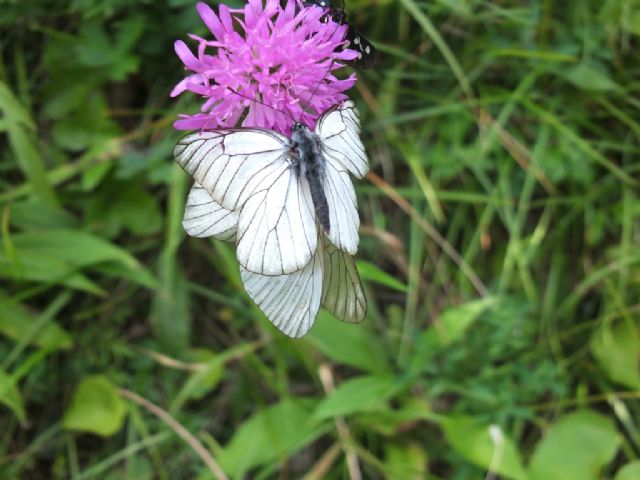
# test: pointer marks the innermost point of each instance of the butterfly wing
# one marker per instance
(230, 163)
(342, 292)
(344, 153)
(369, 56)
(277, 231)
(251, 171)
(204, 217)
(290, 302)
(339, 130)
(343, 209)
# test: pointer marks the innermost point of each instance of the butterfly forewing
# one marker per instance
(277, 232)
(204, 217)
(230, 163)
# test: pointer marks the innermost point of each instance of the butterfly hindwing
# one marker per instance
(204, 217)
(342, 292)
(291, 302)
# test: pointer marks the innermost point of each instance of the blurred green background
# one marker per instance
(498, 250)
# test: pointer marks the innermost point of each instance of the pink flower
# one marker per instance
(277, 70)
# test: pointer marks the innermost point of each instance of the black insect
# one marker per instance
(369, 56)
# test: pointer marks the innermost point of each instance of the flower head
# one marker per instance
(271, 66)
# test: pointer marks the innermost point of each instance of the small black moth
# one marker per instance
(369, 56)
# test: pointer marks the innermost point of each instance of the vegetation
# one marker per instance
(498, 250)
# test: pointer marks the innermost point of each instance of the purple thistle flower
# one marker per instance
(283, 59)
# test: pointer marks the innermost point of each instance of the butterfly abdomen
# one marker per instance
(312, 165)
(319, 200)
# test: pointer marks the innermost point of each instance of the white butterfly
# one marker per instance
(290, 301)
(253, 186)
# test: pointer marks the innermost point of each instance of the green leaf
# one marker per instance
(11, 107)
(58, 252)
(89, 128)
(10, 396)
(370, 272)
(631, 471)
(34, 214)
(405, 462)
(20, 127)
(617, 349)
(590, 76)
(97, 50)
(579, 445)
(275, 432)
(93, 175)
(45, 268)
(171, 317)
(64, 96)
(141, 276)
(390, 422)
(486, 446)
(205, 380)
(347, 343)
(96, 407)
(171, 312)
(27, 155)
(124, 205)
(74, 246)
(16, 323)
(631, 21)
(361, 394)
(454, 322)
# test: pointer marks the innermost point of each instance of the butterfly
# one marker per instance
(290, 207)
(291, 301)
(369, 56)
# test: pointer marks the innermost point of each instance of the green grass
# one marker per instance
(499, 251)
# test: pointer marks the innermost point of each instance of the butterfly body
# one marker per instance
(312, 167)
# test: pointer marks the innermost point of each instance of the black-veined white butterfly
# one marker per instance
(291, 301)
(369, 56)
(294, 246)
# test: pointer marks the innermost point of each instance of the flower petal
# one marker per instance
(211, 20)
